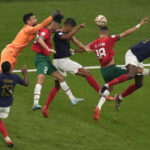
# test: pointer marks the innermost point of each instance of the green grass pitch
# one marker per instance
(73, 128)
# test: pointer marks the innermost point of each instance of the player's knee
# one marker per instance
(41, 79)
(61, 78)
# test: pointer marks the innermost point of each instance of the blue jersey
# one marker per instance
(8, 82)
(62, 47)
(141, 50)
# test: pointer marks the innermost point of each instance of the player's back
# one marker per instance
(22, 39)
(62, 47)
(141, 50)
(8, 82)
(103, 48)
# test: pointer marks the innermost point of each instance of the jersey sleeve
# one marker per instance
(59, 34)
(38, 27)
(91, 45)
(19, 80)
(115, 38)
(44, 34)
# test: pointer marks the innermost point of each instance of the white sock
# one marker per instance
(146, 72)
(37, 93)
(65, 87)
(120, 97)
(103, 99)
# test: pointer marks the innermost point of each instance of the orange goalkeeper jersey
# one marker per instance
(25, 36)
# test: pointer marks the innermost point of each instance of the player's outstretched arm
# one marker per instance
(25, 74)
(46, 21)
(130, 31)
(71, 34)
(43, 44)
(79, 44)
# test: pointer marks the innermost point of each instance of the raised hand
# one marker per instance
(24, 69)
(144, 21)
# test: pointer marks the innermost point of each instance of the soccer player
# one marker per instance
(42, 46)
(103, 48)
(134, 59)
(62, 61)
(8, 82)
(24, 37)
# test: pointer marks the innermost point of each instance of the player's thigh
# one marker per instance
(69, 65)
(4, 111)
(42, 68)
(111, 72)
(56, 63)
(130, 59)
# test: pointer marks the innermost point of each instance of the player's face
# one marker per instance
(69, 28)
(32, 21)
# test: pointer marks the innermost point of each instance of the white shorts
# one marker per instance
(130, 58)
(4, 111)
(66, 65)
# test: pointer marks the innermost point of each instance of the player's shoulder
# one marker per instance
(44, 31)
(59, 33)
(113, 36)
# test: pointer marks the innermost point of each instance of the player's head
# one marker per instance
(69, 24)
(6, 66)
(55, 24)
(30, 19)
(104, 31)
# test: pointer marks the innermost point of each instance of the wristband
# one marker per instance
(138, 26)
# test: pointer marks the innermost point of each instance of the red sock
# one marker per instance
(3, 129)
(51, 96)
(117, 80)
(129, 90)
(93, 83)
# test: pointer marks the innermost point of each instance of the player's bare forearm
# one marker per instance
(26, 79)
(43, 44)
(25, 74)
(46, 21)
(77, 42)
(71, 34)
(131, 30)
(79, 51)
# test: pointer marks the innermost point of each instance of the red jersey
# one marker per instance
(103, 48)
(45, 34)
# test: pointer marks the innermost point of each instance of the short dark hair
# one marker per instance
(6, 66)
(70, 21)
(58, 18)
(105, 28)
(26, 17)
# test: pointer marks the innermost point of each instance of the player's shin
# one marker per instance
(90, 79)
(51, 96)
(128, 91)
(37, 93)
(103, 99)
(67, 90)
(117, 80)
(3, 129)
